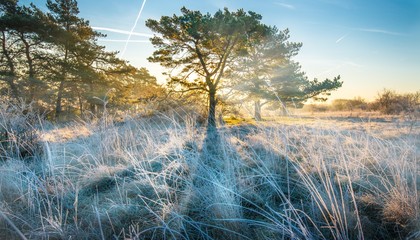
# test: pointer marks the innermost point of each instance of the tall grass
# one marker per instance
(166, 178)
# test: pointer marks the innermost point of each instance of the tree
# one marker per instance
(265, 53)
(75, 46)
(8, 68)
(200, 48)
(83, 70)
(22, 48)
(290, 85)
(132, 87)
(56, 55)
(267, 74)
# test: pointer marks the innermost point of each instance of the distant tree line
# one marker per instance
(387, 102)
(53, 60)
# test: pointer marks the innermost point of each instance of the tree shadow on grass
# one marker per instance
(212, 149)
(215, 201)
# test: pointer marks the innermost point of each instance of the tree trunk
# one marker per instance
(58, 106)
(31, 71)
(15, 91)
(80, 103)
(257, 113)
(92, 108)
(10, 78)
(211, 120)
(284, 111)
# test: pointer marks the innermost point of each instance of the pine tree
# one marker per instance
(202, 47)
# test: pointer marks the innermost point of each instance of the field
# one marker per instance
(166, 177)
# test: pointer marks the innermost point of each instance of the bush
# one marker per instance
(19, 138)
(390, 102)
(349, 104)
(316, 108)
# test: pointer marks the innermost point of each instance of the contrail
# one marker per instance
(132, 29)
(289, 6)
(374, 30)
(341, 38)
(124, 41)
(122, 31)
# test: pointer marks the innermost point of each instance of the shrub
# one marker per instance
(357, 103)
(316, 108)
(18, 134)
(390, 102)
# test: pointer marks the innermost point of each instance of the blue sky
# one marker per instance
(372, 44)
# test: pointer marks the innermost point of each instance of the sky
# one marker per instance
(372, 44)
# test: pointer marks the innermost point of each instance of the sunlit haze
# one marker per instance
(372, 44)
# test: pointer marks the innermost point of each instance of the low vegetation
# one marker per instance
(387, 102)
(161, 178)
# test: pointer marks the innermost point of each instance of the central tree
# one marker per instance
(200, 48)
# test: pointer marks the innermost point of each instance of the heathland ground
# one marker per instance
(305, 176)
